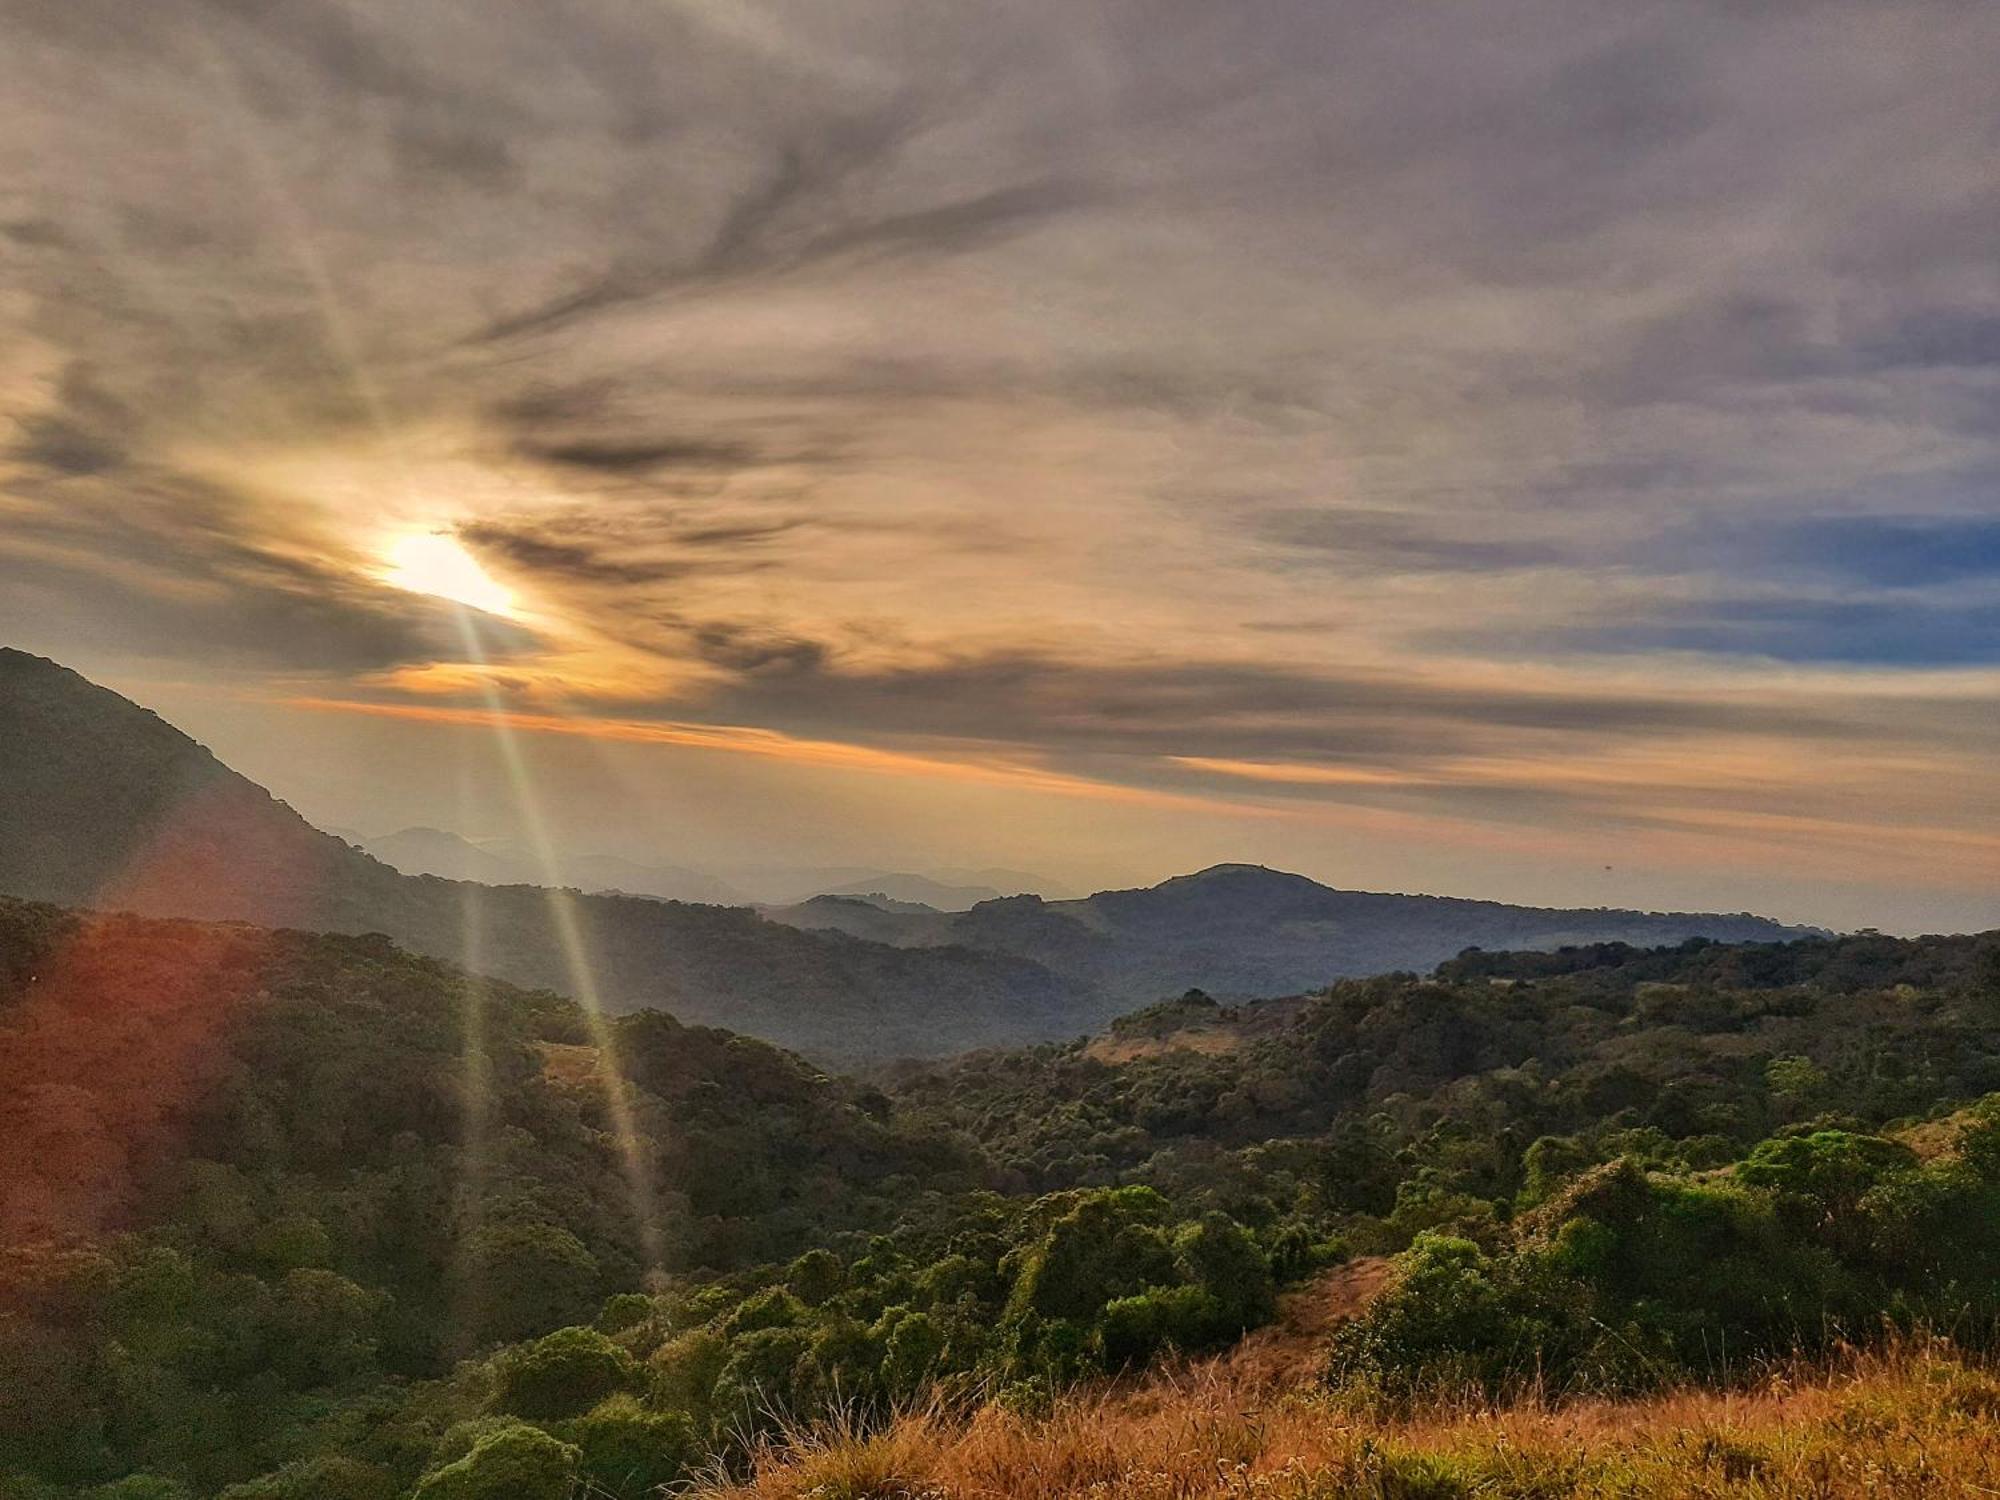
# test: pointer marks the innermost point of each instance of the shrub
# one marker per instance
(759, 1382)
(515, 1463)
(328, 1477)
(912, 1352)
(566, 1372)
(629, 1450)
(815, 1277)
(774, 1307)
(685, 1369)
(1105, 1246)
(624, 1311)
(529, 1278)
(1219, 1255)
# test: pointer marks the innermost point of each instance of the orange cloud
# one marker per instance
(1291, 773)
(741, 739)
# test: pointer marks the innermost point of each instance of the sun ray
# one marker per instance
(478, 1100)
(633, 1156)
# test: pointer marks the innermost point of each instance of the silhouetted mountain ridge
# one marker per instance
(103, 803)
(1242, 930)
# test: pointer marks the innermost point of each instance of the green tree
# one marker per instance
(529, 1278)
(515, 1463)
(564, 1373)
(630, 1451)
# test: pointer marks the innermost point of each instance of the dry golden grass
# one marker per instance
(1118, 1050)
(1914, 1421)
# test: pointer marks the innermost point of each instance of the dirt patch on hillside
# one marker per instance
(569, 1063)
(1291, 1349)
(1117, 1050)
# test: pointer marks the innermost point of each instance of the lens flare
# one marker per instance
(634, 1159)
(478, 1100)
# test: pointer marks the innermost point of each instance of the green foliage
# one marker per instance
(329, 1476)
(1627, 1278)
(1105, 1245)
(1599, 1173)
(561, 1374)
(774, 1307)
(630, 1450)
(815, 1277)
(1219, 1256)
(525, 1277)
(515, 1463)
(686, 1369)
(1823, 1176)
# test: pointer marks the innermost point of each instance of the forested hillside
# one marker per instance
(1495, 1068)
(302, 1216)
(261, 1182)
(102, 803)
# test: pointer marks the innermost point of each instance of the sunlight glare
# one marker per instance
(436, 563)
(633, 1151)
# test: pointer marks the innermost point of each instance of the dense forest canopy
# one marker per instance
(302, 1215)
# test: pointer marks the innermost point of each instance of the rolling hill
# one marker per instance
(104, 804)
(434, 851)
(1241, 930)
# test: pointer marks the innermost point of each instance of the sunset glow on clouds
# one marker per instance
(1412, 447)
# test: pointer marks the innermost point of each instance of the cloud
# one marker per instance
(1148, 392)
(609, 455)
(141, 563)
(1367, 541)
(79, 435)
(1872, 632)
(765, 744)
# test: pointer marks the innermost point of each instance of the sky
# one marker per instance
(1547, 452)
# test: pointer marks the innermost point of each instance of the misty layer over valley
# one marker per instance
(132, 814)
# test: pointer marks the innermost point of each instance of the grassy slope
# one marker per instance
(1912, 1417)
(1914, 1421)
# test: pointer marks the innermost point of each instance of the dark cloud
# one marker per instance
(570, 560)
(749, 243)
(1216, 709)
(1906, 632)
(615, 456)
(1376, 541)
(433, 144)
(83, 433)
(182, 592)
(645, 547)
(35, 234)
(756, 653)
(338, 46)
(1962, 338)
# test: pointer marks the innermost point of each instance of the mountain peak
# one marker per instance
(13, 658)
(1240, 871)
(1242, 877)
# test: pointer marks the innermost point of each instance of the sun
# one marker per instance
(437, 564)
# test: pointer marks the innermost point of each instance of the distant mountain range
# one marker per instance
(102, 803)
(1239, 931)
(435, 851)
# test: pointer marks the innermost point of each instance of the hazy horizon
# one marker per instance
(1550, 462)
